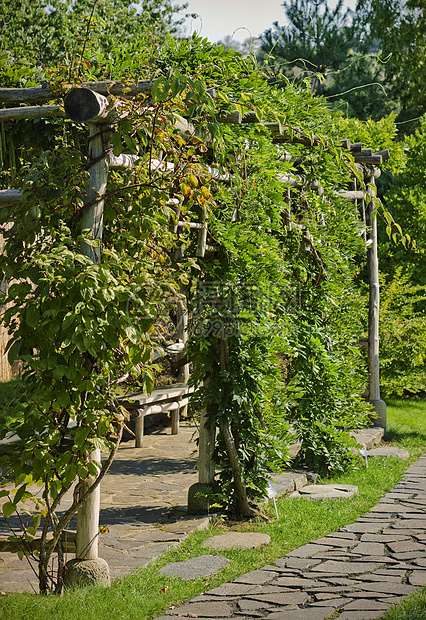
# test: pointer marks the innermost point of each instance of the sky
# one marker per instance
(217, 18)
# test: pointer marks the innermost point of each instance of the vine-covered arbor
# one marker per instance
(171, 197)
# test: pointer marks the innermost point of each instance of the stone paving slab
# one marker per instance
(326, 491)
(240, 540)
(377, 561)
(201, 566)
(389, 452)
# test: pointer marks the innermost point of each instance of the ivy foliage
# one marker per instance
(272, 299)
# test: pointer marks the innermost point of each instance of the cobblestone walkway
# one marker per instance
(143, 506)
(143, 500)
(355, 573)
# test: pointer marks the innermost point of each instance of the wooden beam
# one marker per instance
(13, 546)
(298, 137)
(44, 93)
(250, 117)
(351, 195)
(385, 155)
(298, 180)
(122, 162)
(344, 143)
(375, 160)
(84, 105)
(232, 118)
(9, 197)
(29, 112)
(182, 224)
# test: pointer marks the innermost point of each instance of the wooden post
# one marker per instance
(206, 444)
(139, 428)
(202, 238)
(6, 371)
(181, 325)
(198, 500)
(88, 519)
(92, 219)
(86, 106)
(373, 310)
(242, 499)
(183, 373)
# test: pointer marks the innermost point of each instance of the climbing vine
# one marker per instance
(272, 297)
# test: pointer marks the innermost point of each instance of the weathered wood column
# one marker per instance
(85, 106)
(373, 307)
(88, 515)
(198, 501)
(182, 334)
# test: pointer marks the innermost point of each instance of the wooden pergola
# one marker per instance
(89, 104)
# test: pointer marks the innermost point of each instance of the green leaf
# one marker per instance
(132, 334)
(92, 469)
(14, 351)
(20, 493)
(63, 460)
(99, 443)
(80, 436)
(8, 509)
(32, 316)
(36, 520)
(116, 142)
(160, 89)
(82, 472)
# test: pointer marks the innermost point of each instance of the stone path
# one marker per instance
(143, 503)
(143, 500)
(355, 573)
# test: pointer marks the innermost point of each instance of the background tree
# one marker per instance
(400, 29)
(56, 31)
(358, 88)
(405, 199)
(330, 47)
(315, 41)
(246, 47)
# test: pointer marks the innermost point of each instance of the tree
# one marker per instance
(405, 199)
(56, 31)
(359, 89)
(328, 47)
(248, 46)
(315, 43)
(400, 29)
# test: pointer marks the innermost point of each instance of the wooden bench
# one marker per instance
(168, 398)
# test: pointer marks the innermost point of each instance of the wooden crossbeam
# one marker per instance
(29, 112)
(44, 92)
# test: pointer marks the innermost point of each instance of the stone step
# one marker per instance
(368, 437)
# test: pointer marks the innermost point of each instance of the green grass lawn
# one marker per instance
(145, 593)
